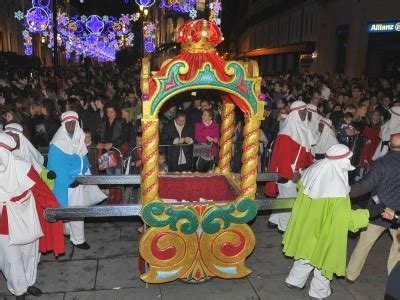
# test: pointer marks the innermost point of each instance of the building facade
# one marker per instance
(11, 39)
(322, 36)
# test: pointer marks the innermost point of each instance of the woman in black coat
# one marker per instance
(109, 134)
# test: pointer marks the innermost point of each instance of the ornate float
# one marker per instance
(194, 240)
(199, 240)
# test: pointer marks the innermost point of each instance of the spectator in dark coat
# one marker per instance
(180, 135)
(109, 133)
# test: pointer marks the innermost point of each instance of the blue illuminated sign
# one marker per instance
(384, 27)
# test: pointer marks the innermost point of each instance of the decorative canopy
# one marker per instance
(197, 67)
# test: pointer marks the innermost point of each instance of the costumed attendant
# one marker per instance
(389, 128)
(25, 150)
(68, 159)
(23, 230)
(291, 154)
(313, 119)
(326, 138)
(316, 236)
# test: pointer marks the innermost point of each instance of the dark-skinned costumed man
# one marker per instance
(68, 159)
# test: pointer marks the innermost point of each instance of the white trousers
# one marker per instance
(320, 285)
(76, 230)
(286, 190)
(19, 265)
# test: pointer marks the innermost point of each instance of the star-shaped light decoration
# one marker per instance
(62, 19)
(151, 26)
(19, 15)
(125, 19)
(217, 6)
(193, 13)
(25, 33)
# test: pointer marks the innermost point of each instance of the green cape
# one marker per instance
(318, 229)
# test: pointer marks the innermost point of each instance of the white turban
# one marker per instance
(70, 144)
(26, 150)
(326, 138)
(296, 128)
(328, 178)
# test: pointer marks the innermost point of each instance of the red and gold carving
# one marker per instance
(149, 174)
(251, 133)
(227, 129)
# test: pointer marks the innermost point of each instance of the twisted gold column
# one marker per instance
(251, 133)
(227, 128)
(149, 174)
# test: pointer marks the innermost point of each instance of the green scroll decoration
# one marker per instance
(157, 214)
(221, 217)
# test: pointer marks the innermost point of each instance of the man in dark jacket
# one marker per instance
(383, 181)
(179, 134)
(393, 287)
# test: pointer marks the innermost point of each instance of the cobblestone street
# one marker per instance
(109, 271)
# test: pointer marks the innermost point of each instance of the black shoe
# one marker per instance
(272, 225)
(34, 291)
(22, 297)
(83, 246)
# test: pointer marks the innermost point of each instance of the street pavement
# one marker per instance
(109, 271)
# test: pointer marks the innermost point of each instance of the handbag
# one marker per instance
(108, 160)
(23, 221)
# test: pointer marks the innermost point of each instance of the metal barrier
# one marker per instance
(127, 158)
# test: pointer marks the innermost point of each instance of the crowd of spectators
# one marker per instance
(108, 103)
(357, 107)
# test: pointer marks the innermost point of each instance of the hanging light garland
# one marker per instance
(215, 13)
(93, 36)
(99, 36)
(149, 36)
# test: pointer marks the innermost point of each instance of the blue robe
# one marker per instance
(66, 167)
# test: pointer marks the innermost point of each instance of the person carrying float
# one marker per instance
(291, 153)
(23, 230)
(317, 232)
(68, 159)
